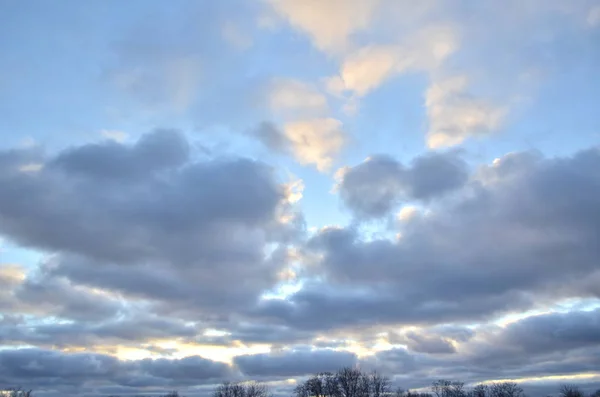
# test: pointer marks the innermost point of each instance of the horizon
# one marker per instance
(194, 192)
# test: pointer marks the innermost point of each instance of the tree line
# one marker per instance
(352, 382)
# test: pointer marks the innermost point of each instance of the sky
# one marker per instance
(200, 191)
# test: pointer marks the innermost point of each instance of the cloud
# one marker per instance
(544, 333)
(517, 235)
(554, 344)
(294, 362)
(429, 344)
(271, 137)
(368, 67)
(454, 115)
(296, 98)
(118, 136)
(142, 219)
(375, 187)
(315, 141)
(329, 24)
(306, 133)
(72, 374)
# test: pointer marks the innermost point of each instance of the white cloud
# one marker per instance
(407, 213)
(454, 115)
(370, 66)
(315, 141)
(293, 96)
(329, 23)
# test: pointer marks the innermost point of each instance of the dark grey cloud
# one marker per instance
(523, 230)
(375, 187)
(82, 373)
(156, 151)
(424, 343)
(58, 297)
(550, 332)
(149, 220)
(289, 363)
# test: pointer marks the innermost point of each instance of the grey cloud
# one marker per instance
(551, 332)
(156, 151)
(271, 137)
(436, 173)
(53, 296)
(432, 344)
(375, 187)
(501, 352)
(74, 373)
(294, 362)
(149, 218)
(189, 370)
(12, 160)
(130, 328)
(514, 235)
(267, 333)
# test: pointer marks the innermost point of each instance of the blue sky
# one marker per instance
(351, 153)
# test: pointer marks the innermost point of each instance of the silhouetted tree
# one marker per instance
(399, 392)
(505, 389)
(570, 391)
(241, 389)
(350, 382)
(447, 388)
(479, 391)
(379, 386)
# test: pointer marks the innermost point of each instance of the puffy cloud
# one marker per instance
(517, 236)
(368, 67)
(306, 134)
(329, 24)
(149, 220)
(374, 187)
(294, 362)
(454, 115)
(315, 141)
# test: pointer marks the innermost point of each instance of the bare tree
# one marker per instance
(379, 385)
(350, 382)
(570, 391)
(330, 384)
(480, 391)
(441, 388)
(241, 389)
(447, 388)
(505, 389)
